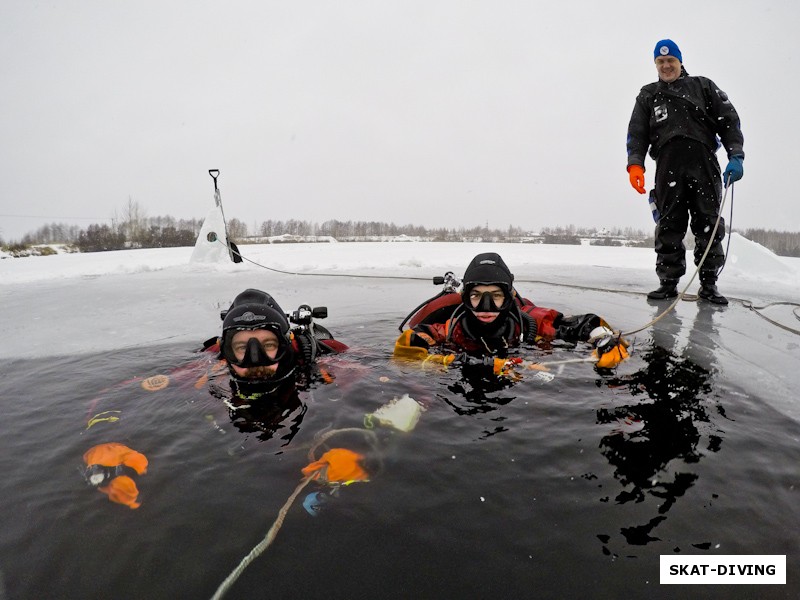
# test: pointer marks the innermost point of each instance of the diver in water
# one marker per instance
(488, 318)
(269, 356)
(264, 352)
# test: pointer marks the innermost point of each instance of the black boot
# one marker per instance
(708, 291)
(668, 289)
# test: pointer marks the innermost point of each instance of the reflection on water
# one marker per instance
(280, 415)
(659, 440)
(477, 392)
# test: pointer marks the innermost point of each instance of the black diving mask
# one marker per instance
(487, 302)
(255, 354)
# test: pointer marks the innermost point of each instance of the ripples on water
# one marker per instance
(566, 488)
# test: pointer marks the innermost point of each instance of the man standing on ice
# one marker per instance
(681, 119)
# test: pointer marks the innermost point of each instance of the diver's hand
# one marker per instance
(601, 338)
(610, 347)
(636, 177)
(734, 171)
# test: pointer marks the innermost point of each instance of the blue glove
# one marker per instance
(734, 171)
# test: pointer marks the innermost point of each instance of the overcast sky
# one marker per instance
(439, 113)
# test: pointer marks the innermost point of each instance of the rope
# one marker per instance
(329, 434)
(757, 309)
(218, 202)
(696, 271)
(263, 544)
(239, 254)
(259, 548)
(568, 361)
(730, 230)
(682, 296)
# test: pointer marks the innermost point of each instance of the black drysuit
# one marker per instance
(682, 124)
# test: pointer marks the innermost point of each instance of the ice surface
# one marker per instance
(99, 302)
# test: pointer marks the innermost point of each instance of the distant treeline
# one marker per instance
(153, 232)
(162, 232)
(782, 243)
(133, 229)
(130, 229)
(360, 229)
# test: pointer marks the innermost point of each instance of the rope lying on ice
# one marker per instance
(758, 309)
(682, 296)
(274, 270)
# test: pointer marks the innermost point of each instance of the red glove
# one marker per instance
(636, 174)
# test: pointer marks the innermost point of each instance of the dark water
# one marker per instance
(504, 489)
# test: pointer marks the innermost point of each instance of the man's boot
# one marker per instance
(708, 291)
(668, 289)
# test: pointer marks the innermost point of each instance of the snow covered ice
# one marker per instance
(90, 303)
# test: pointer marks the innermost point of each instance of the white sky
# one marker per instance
(448, 113)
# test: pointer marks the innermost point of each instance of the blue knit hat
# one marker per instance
(667, 48)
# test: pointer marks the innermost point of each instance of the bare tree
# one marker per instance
(134, 222)
(237, 229)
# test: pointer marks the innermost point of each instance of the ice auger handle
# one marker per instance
(214, 174)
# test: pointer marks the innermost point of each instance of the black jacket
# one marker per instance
(689, 107)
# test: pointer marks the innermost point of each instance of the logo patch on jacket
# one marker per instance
(660, 113)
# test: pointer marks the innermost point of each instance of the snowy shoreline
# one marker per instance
(746, 260)
(68, 303)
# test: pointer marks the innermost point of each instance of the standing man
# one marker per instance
(682, 120)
